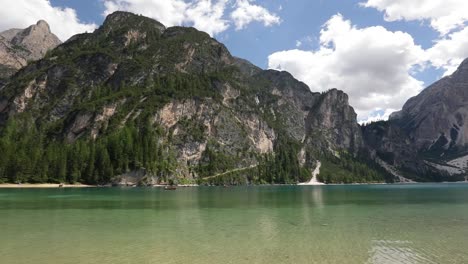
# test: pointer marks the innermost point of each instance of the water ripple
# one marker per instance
(397, 252)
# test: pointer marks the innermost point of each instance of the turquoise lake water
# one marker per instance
(420, 223)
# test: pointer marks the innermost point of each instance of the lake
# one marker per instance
(417, 223)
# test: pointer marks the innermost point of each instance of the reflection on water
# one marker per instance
(317, 195)
(266, 225)
(396, 252)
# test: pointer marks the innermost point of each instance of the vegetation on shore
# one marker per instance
(28, 156)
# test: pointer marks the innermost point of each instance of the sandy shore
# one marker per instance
(180, 185)
(43, 185)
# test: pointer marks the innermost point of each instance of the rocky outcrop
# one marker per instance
(19, 46)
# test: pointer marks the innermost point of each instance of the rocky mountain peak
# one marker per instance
(461, 74)
(37, 39)
(18, 46)
(336, 95)
(118, 17)
(464, 65)
(125, 21)
(43, 25)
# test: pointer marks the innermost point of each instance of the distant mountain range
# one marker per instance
(138, 103)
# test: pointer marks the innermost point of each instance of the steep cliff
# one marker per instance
(173, 102)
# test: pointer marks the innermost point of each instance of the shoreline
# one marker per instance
(42, 185)
(79, 185)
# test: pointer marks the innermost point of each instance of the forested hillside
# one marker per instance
(135, 96)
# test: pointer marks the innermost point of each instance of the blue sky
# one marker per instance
(381, 52)
(301, 20)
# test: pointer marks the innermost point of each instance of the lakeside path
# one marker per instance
(43, 185)
(231, 171)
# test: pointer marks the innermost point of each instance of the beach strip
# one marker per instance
(43, 185)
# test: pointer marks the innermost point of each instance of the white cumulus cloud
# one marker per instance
(63, 22)
(246, 13)
(378, 115)
(448, 52)
(208, 17)
(373, 65)
(448, 17)
(444, 15)
(171, 13)
(211, 16)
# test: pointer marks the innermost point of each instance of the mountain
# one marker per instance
(428, 138)
(135, 101)
(18, 46)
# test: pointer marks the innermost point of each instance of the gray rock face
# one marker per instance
(436, 119)
(246, 67)
(18, 46)
(335, 119)
(429, 132)
(323, 121)
(391, 144)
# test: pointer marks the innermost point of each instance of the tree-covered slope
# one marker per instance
(135, 101)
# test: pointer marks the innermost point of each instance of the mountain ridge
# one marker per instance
(181, 106)
(214, 114)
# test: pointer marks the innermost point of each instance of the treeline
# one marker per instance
(27, 156)
(39, 155)
(280, 168)
(349, 169)
(283, 168)
(214, 161)
(157, 91)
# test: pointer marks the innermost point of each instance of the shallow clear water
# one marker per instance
(425, 223)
